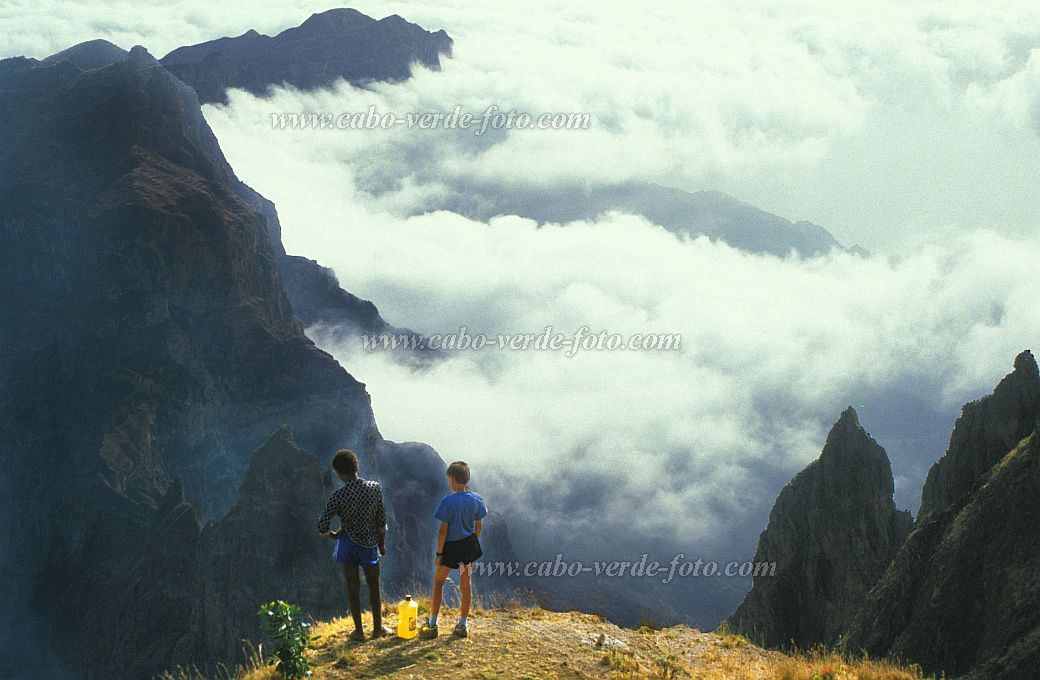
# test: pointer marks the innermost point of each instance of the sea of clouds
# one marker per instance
(911, 128)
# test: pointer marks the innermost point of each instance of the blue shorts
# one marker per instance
(349, 552)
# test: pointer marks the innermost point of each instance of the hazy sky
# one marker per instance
(911, 128)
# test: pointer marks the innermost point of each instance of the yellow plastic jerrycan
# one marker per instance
(408, 621)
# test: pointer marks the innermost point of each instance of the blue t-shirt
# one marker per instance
(461, 511)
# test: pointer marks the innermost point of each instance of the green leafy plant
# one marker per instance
(290, 636)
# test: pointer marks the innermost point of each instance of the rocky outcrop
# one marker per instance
(147, 348)
(985, 432)
(337, 44)
(961, 596)
(832, 532)
(265, 548)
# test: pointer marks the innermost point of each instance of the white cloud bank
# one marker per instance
(910, 127)
(698, 440)
(684, 449)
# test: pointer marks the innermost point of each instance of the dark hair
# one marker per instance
(459, 471)
(345, 462)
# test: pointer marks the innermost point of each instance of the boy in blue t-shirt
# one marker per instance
(458, 545)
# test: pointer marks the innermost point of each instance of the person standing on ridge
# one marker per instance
(360, 540)
(458, 545)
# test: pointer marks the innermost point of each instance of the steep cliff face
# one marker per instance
(982, 616)
(313, 291)
(136, 275)
(832, 531)
(266, 548)
(147, 347)
(339, 43)
(985, 432)
(329, 312)
(962, 594)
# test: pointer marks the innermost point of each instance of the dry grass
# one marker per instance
(529, 643)
(620, 661)
(823, 665)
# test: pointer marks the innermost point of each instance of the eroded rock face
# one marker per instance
(147, 348)
(313, 290)
(962, 594)
(985, 432)
(266, 548)
(832, 531)
(339, 43)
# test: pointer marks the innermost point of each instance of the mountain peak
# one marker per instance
(976, 535)
(335, 20)
(140, 56)
(88, 55)
(329, 46)
(341, 13)
(848, 419)
(848, 440)
(987, 429)
(1026, 363)
(831, 533)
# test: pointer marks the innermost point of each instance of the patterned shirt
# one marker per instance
(359, 505)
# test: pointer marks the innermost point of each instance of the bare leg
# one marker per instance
(438, 588)
(353, 579)
(466, 588)
(374, 599)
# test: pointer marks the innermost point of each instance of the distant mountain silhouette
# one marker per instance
(714, 214)
(339, 43)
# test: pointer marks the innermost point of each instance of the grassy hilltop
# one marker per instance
(515, 642)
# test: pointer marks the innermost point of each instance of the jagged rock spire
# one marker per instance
(831, 533)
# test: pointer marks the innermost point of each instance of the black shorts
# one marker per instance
(462, 551)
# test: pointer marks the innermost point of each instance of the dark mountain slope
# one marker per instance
(962, 594)
(339, 43)
(145, 338)
(313, 290)
(985, 432)
(832, 531)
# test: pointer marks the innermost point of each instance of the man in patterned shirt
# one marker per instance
(360, 540)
